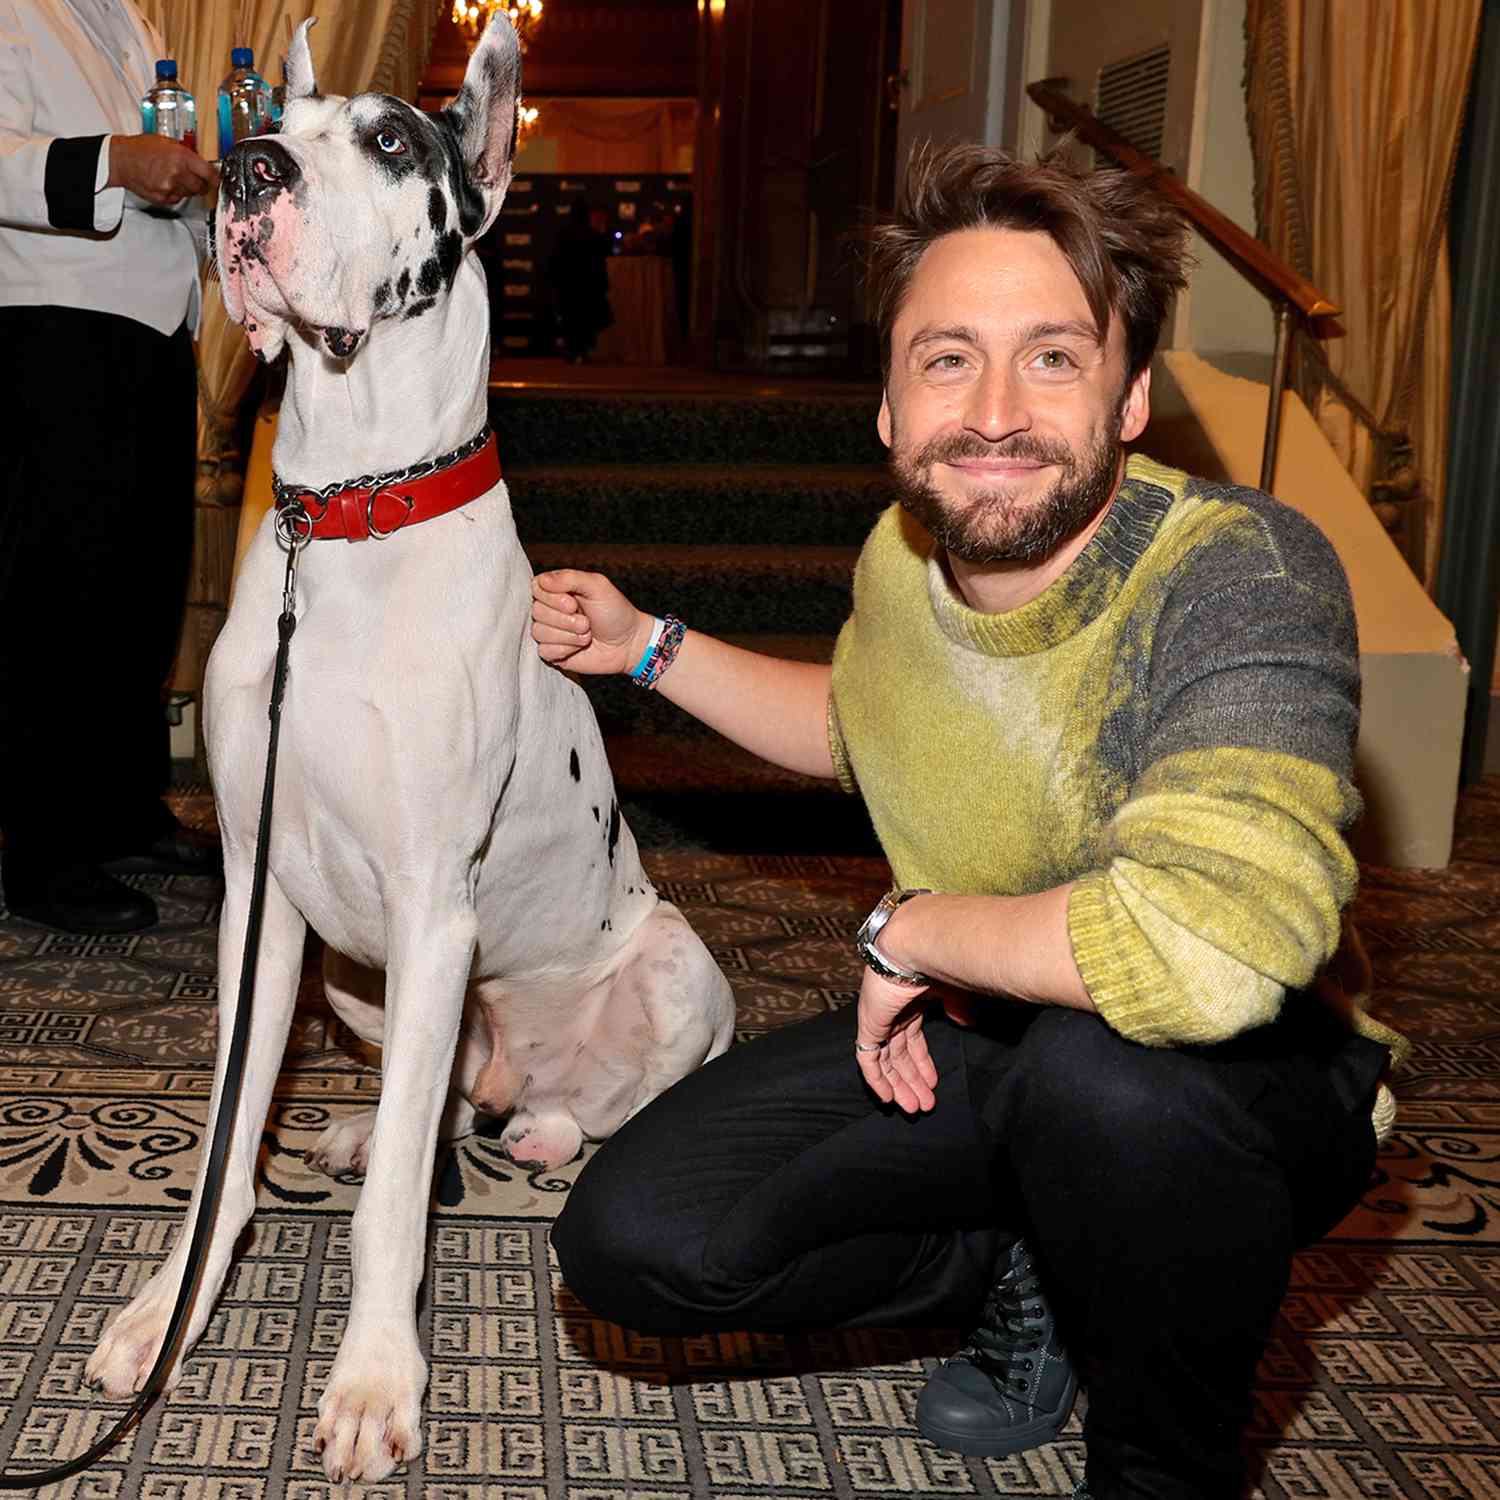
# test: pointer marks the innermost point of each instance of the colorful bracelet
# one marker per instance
(640, 666)
(660, 653)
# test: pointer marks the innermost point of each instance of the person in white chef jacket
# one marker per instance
(100, 243)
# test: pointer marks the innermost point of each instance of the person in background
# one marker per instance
(1099, 1084)
(579, 276)
(652, 236)
(99, 300)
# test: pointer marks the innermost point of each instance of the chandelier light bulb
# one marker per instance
(472, 16)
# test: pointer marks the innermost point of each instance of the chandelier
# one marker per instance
(472, 16)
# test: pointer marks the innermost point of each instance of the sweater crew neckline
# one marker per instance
(1080, 595)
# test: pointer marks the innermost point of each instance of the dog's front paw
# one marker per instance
(123, 1358)
(370, 1415)
(344, 1146)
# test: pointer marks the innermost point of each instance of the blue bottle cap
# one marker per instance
(241, 57)
(166, 67)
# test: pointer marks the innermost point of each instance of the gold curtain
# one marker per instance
(1355, 113)
(356, 45)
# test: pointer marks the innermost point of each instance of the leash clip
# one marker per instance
(294, 523)
(294, 529)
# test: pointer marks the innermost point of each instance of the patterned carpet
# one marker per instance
(1383, 1378)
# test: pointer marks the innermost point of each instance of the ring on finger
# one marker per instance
(869, 1046)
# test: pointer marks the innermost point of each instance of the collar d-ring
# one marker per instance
(376, 533)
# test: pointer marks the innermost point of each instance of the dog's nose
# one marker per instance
(257, 170)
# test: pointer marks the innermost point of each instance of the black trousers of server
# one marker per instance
(97, 459)
(1163, 1190)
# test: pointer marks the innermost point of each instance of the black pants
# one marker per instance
(98, 440)
(1164, 1192)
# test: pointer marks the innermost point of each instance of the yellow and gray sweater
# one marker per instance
(1170, 726)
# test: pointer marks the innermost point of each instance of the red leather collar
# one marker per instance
(357, 514)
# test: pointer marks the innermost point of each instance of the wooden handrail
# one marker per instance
(1272, 275)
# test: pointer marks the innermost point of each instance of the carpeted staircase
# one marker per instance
(743, 515)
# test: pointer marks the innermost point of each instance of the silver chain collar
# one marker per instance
(285, 493)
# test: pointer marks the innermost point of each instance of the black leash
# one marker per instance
(289, 527)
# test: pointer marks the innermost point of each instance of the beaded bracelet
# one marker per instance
(660, 653)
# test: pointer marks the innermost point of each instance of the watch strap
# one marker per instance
(871, 929)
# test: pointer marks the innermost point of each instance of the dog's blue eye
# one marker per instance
(390, 143)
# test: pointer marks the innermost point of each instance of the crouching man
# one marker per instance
(1102, 714)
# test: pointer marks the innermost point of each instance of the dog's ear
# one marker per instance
(298, 69)
(483, 116)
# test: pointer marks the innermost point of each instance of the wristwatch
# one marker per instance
(871, 928)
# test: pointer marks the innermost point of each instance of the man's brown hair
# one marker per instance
(1125, 243)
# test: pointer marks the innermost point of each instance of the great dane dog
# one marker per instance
(445, 817)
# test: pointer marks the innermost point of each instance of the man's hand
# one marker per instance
(775, 708)
(158, 169)
(902, 1070)
(581, 621)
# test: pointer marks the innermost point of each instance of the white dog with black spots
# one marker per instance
(445, 817)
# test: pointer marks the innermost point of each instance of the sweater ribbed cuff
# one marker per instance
(1131, 1005)
(69, 180)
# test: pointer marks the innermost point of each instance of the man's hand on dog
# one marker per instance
(581, 621)
(158, 169)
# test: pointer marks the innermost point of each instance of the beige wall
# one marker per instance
(1221, 312)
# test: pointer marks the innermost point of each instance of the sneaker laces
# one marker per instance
(1010, 1327)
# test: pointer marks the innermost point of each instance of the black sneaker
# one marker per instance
(1011, 1387)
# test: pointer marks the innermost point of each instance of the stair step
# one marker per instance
(623, 709)
(725, 589)
(740, 510)
(709, 794)
(538, 427)
(661, 762)
(799, 505)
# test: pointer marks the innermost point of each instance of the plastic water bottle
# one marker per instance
(168, 109)
(244, 101)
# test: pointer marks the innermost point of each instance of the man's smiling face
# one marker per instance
(1003, 412)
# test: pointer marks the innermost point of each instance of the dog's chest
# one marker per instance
(397, 732)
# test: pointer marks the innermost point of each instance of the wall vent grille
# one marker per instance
(1131, 98)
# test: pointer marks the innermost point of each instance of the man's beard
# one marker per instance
(991, 526)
